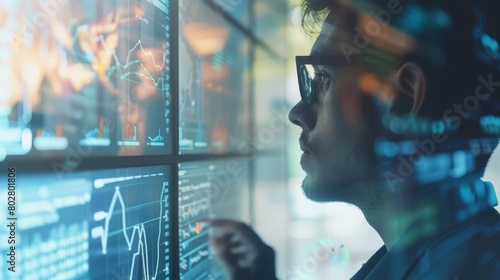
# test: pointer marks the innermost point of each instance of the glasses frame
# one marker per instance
(307, 82)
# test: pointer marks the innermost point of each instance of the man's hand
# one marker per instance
(241, 251)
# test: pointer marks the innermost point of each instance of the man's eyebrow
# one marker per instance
(328, 67)
(324, 52)
(329, 54)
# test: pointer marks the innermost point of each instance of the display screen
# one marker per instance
(208, 189)
(213, 81)
(105, 224)
(93, 75)
(236, 9)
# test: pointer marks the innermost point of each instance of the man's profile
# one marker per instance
(398, 113)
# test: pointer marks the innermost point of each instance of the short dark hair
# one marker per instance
(455, 44)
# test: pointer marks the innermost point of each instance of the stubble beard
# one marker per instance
(351, 180)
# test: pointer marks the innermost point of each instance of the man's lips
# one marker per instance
(305, 148)
(306, 156)
(305, 142)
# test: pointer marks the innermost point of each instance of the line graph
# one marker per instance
(192, 131)
(141, 68)
(123, 67)
(128, 228)
(157, 140)
(212, 84)
(132, 60)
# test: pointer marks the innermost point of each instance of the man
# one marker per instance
(399, 116)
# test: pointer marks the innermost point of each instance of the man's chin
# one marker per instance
(320, 191)
(315, 190)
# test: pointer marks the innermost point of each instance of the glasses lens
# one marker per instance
(306, 84)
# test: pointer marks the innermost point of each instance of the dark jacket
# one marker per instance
(466, 248)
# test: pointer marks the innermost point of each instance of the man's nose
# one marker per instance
(302, 115)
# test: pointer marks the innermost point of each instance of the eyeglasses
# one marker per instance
(304, 69)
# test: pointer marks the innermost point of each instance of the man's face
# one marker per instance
(338, 155)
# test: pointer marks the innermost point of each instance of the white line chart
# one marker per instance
(122, 68)
(138, 232)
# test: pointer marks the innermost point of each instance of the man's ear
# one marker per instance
(411, 89)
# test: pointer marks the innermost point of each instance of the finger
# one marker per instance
(226, 243)
(220, 244)
(239, 249)
(222, 250)
(246, 262)
(236, 238)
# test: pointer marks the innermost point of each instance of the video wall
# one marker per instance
(144, 104)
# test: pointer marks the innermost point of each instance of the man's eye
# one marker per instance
(325, 78)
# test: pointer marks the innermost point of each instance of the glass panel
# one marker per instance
(100, 224)
(214, 71)
(208, 189)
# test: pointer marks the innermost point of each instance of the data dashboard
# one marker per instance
(101, 224)
(90, 74)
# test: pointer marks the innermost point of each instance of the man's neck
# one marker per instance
(373, 207)
(391, 225)
(391, 221)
